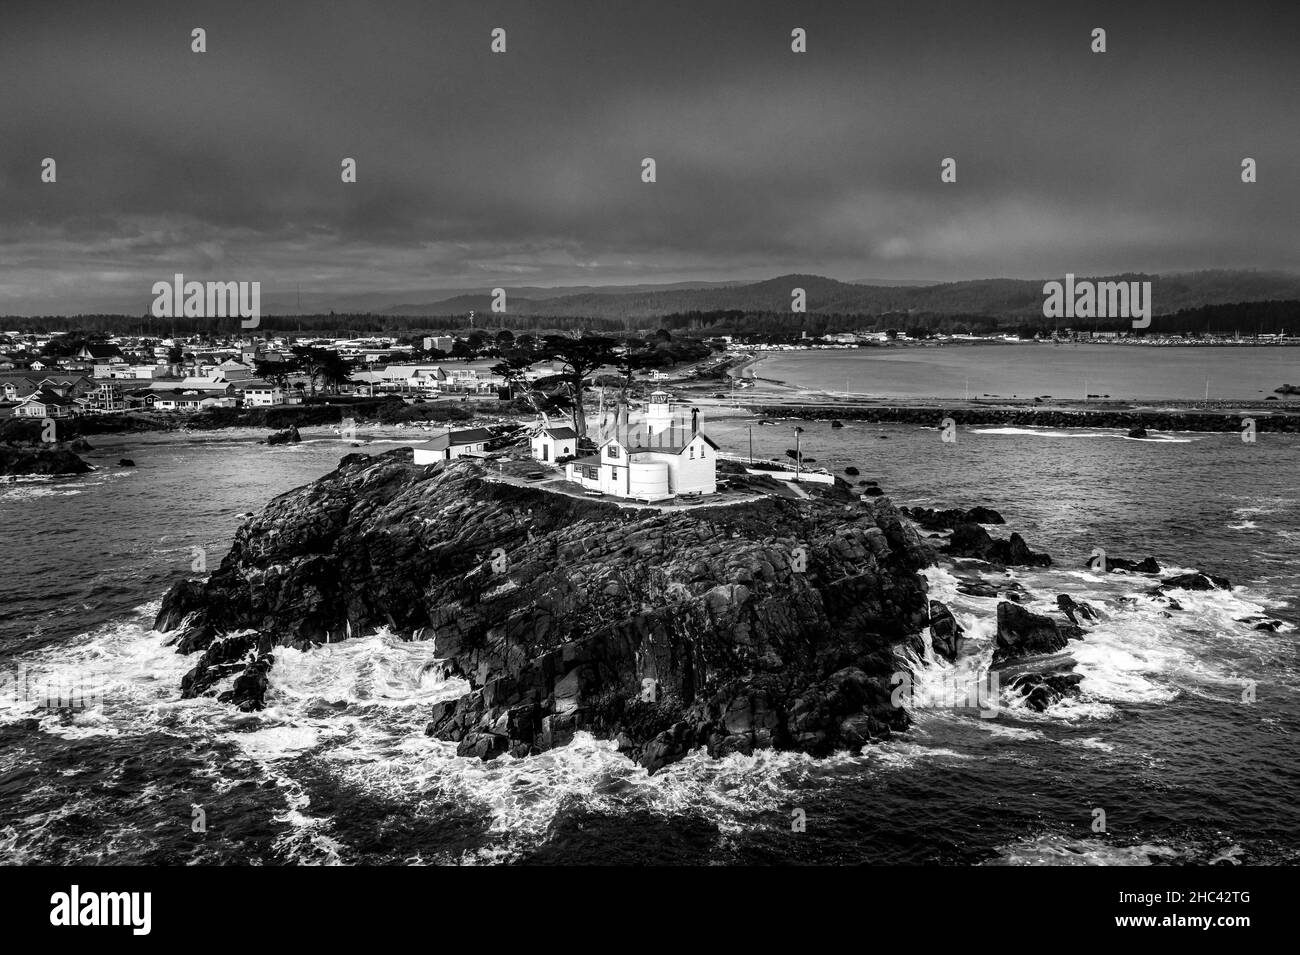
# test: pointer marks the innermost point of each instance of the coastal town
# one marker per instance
(66, 375)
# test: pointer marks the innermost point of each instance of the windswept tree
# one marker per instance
(513, 366)
(580, 357)
(276, 372)
(335, 370)
(310, 360)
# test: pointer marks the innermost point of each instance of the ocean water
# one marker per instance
(1029, 369)
(337, 769)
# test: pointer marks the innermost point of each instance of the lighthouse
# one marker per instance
(659, 413)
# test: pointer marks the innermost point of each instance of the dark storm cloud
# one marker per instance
(482, 169)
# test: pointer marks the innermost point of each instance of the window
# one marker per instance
(701, 451)
(692, 452)
(611, 451)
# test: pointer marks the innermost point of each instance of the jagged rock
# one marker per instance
(665, 631)
(1074, 609)
(1137, 432)
(1022, 633)
(249, 691)
(1147, 565)
(972, 540)
(43, 460)
(126, 463)
(1041, 690)
(932, 520)
(945, 632)
(287, 436)
(1197, 581)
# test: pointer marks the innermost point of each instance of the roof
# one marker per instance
(659, 448)
(47, 397)
(451, 439)
(102, 349)
(591, 461)
(560, 432)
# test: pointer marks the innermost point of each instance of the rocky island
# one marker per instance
(730, 627)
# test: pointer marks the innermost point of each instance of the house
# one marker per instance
(636, 461)
(108, 397)
(551, 444)
(44, 363)
(260, 394)
(46, 404)
(450, 444)
(232, 370)
(16, 387)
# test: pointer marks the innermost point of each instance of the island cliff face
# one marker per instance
(768, 623)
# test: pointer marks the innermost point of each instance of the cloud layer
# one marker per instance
(482, 169)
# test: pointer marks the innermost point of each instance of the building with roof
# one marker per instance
(651, 459)
(46, 404)
(260, 394)
(551, 444)
(449, 445)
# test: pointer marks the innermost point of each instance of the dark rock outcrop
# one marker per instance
(948, 519)
(126, 463)
(971, 540)
(1074, 609)
(289, 435)
(40, 460)
(1137, 432)
(1147, 565)
(1041, 690)
(732, 629)
(1022, 633)
(945, 631)
(1197, 581)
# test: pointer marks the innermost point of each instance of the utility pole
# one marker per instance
(798, 454)
(751, 445)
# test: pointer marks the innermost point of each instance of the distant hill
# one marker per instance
(999, 298)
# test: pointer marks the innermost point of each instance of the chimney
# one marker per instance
(695, 421)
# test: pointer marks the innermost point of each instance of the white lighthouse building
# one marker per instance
(654, 459)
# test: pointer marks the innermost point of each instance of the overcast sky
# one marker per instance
(478, 169)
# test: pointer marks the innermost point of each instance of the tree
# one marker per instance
(513, 367)
(310, 361)
(335, 370)
(276, 372)
(581, 356)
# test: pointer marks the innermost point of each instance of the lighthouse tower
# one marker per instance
(659, 413)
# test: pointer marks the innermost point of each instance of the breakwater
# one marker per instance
(1041, 417)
